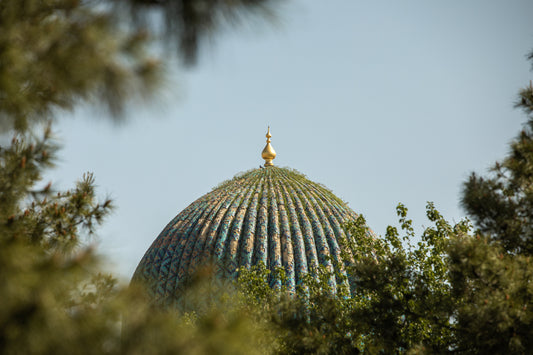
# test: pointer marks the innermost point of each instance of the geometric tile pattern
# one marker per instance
(271, 215)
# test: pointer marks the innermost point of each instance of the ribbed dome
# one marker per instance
(271, 215)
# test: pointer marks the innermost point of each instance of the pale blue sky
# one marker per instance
(381, 101)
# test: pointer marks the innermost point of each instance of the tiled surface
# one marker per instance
(271, 215)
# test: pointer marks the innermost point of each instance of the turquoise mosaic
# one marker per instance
(270, 215)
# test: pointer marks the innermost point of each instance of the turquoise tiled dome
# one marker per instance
(270, 215)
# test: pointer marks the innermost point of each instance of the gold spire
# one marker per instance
(268, 153)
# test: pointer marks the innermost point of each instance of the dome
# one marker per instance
(274, 216)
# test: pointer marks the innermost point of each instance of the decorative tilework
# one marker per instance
(272, 215)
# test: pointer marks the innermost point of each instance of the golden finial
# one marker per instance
(268, 153)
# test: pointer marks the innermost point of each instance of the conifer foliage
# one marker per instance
(55, 54)
(501, 204)
(491, 274)
(54, 296)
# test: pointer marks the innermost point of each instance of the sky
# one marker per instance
(381, 101)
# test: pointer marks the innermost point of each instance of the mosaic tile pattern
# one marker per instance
(271, 215)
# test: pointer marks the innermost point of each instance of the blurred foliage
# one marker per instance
(55, 54)
(186, 24)
(55, 298)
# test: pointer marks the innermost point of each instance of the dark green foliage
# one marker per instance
(526, 98)
(50, 219)
(56, 53)
(494, 297)
(501, 204)
(491, 274)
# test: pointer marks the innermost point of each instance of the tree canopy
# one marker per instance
(459, 288)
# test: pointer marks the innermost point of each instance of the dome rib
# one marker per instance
(207, 235)
(224, 227)
(296, 238)
(324, 202)
(274, 242)
(261, 242)
(311, 252)
(181, 260)
(287, 253)
(326, 228)
(200, 242)
(246, 247)
(322, 247)
(231, 249)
